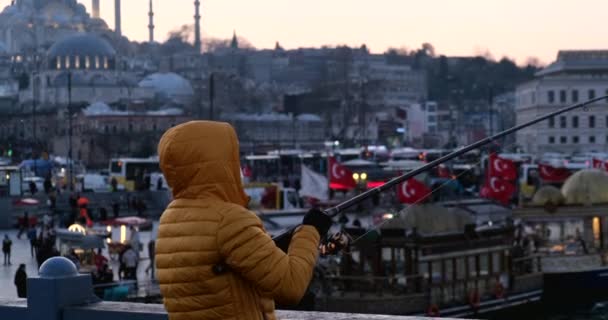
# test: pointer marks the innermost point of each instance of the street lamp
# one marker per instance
(127, 85)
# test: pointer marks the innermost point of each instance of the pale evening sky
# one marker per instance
(513, 28)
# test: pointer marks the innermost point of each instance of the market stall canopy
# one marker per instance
(78, 240)
(26, 202)
(141, 223)
(589, 186)
(548, 194)
(430, 219)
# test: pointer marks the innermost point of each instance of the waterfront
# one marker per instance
(21, 254)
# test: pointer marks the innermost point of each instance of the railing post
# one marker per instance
(59, 285)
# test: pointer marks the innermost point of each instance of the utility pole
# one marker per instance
(70, 165)
(490, 109)
(35, 144)
(211, 94)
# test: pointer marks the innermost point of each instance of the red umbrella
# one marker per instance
(82, 201)
(26, 202)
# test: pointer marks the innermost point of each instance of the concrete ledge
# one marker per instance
(116, 311)
(140, 311)
(302, 315)
(17, 309)
(13, 309)
(60, 293)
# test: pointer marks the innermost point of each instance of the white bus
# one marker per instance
(129, 171)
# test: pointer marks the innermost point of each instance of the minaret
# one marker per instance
(197, 26)
(117, 29)
(151, 23)
(234, 44)
(95, 6)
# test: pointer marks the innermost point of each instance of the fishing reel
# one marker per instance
(334, 244)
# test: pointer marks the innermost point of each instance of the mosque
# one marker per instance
(28, 27)
(58, 62)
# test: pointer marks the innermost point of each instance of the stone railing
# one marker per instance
(61, 293)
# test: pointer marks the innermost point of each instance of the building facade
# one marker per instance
(574, 77)
(275, 131)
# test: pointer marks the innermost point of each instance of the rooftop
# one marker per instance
(577, 61)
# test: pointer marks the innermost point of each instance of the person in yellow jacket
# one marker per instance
(214, 259)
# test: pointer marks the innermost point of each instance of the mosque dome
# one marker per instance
(588, 186)
(82, 51)
(169, 86)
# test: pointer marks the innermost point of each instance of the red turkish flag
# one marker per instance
(552, 174)
(413, 191)
(502, 168)
(600, 164)
(340, 177)
(247, 171)
(497, 189)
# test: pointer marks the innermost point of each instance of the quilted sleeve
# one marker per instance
(250, 251)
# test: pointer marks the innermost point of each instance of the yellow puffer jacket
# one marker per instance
(207, 224)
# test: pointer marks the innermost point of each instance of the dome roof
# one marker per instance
(82, 45)
(430, 219)
(587, 186)
(168, 85)
(97, 108)
(548, 194)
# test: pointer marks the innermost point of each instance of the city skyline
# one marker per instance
(516, 29)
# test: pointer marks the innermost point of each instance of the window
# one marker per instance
(575, 96)
(562, 96)
(562, 139)
(113, 129)
(77, 62)
(106, 129)
(551, 140)
(130, 127)
(591, 139)
(591, 94)
(551, 122)
(431, 108)
(96, 62)
(67, 62)
(87, 62)
(575, 122)
(58, 63)
(551, 96)
(562, 122)
(591, 121)
(575, 139)
(431, 118)
(105, 62)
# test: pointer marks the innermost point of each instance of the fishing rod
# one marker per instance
(283, 238)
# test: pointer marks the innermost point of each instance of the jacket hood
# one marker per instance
(200, 159)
